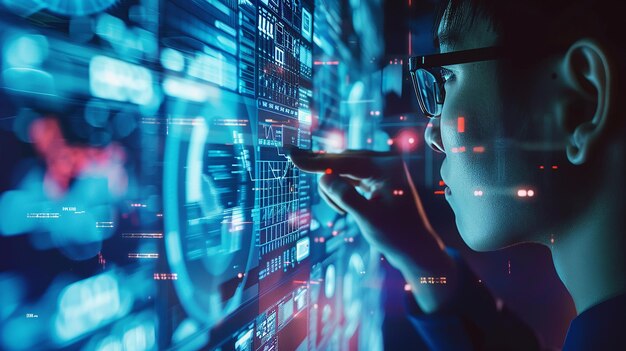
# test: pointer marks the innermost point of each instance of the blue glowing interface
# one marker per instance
(147, 201)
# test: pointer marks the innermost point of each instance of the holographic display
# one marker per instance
(147, 200)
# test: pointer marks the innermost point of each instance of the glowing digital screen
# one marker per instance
(147, 201)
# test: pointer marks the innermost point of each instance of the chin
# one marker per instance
(481, 236)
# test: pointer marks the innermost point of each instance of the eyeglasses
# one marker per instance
(427, 74)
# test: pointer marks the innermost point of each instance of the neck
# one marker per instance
(590, 257)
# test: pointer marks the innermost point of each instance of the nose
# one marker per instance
(432, 135)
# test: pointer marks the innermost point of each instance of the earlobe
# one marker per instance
(583, 138)
(587, 74)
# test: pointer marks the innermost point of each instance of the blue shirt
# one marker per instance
(474, 320)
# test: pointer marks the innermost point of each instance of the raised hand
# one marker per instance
(377, 189)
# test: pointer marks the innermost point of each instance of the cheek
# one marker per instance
(471, 116)
(470, 134)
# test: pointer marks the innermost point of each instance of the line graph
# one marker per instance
(278, 204)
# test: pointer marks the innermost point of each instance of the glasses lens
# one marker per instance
(429, 92)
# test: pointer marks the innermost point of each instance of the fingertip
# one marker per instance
(292, 151)
(307, 161)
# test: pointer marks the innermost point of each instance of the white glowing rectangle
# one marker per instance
(304, 116)
(121, 81)
(307, 24)
(187, 89)
(302, 249)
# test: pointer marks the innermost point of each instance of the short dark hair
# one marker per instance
(536, 22)
(542, 24)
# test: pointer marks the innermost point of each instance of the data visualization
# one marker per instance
(147, 200)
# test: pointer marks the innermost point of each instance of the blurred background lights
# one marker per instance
(406, 140)
(335, 141)
(110, 28)
(26, 51)
(172, 60)
(525, 193)
(76, 7)
(121, 81)
(86, 305)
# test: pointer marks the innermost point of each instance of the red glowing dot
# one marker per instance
(328, 171)
(441, 183)
(461, 124)
(555, 167)
(239, 275)
(407, 287)
(541, 167)
(522, 193)
(531, 193)
(478, 149)
(389, 141)
(411, 140)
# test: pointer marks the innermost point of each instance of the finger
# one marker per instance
(330, 202)
(360, 166)
(344, 195)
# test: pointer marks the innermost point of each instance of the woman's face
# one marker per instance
(501, 145)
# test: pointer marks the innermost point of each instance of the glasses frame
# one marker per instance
(428, 62)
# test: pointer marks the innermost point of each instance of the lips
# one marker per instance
(442, 172)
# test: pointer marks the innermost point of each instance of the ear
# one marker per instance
(587, 73)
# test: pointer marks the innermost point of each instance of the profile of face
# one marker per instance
(506, 165)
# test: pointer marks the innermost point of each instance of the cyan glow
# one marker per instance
(76, 7)
(302, 248)
(88, 304)
(172, 60)
(26, 51)
(195, 162)
(110, 343)
(22, 8)
(226, 28)
(329, 281)
(307, 24)
(121, 81)
(29, 81)
(190, 90)
(110, 28)
(304, 116)
(14, 205)
(245, 340)
(13, 288)
(139, 338)
(213, 67)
